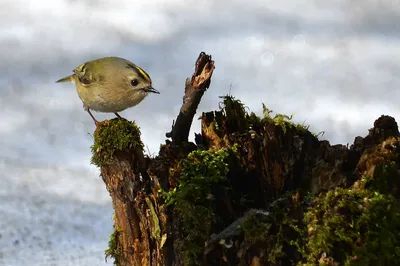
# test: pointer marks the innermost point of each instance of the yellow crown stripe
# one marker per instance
(80, 68)
(141, 72)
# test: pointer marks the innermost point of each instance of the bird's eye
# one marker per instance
(134, 82)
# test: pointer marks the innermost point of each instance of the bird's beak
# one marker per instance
(151, 89)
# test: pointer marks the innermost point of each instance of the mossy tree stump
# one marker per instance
(118, 151)
(253, 190)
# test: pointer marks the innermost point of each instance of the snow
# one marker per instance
(53, 216)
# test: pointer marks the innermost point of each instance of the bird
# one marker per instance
(110, 85)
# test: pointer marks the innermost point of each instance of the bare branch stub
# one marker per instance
(194, 90)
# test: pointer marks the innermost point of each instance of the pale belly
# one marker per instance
(109, 103)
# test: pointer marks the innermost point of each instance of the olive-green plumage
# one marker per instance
(110, 84)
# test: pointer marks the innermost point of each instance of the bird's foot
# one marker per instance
(97, 123)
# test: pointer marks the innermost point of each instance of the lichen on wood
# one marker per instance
(114, 250)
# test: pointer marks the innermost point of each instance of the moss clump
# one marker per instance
(239, 120)
(114, 250)
(234, 111)
(274, 233)
(382, 175)
(353, 227)
(202, 177)
(379, 168)
(284, 121)
(115, 135)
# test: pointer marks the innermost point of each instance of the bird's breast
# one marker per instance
(107, 99)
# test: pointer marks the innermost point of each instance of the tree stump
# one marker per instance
(252, 190)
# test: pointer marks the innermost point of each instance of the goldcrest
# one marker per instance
(110, 85)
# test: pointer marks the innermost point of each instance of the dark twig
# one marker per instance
(194, 90)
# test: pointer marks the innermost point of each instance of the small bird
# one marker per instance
(110, 85)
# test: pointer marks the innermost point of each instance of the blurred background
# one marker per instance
(333, 64)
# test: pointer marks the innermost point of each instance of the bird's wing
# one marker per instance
(85, 77)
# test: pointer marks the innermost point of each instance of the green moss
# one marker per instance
(203, 173)
(382, 174)
(235, 112)
(273, 232)
(114, 250)
(353, 227)
(284, 121)
(239, 120)
(116, 135)
(254, 121)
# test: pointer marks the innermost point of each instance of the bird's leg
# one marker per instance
(118, 115)
(97, 123)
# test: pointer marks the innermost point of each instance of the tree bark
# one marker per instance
(142, 224)
(194, 90)
(256, 208)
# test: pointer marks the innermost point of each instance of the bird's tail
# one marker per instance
(66, 79)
